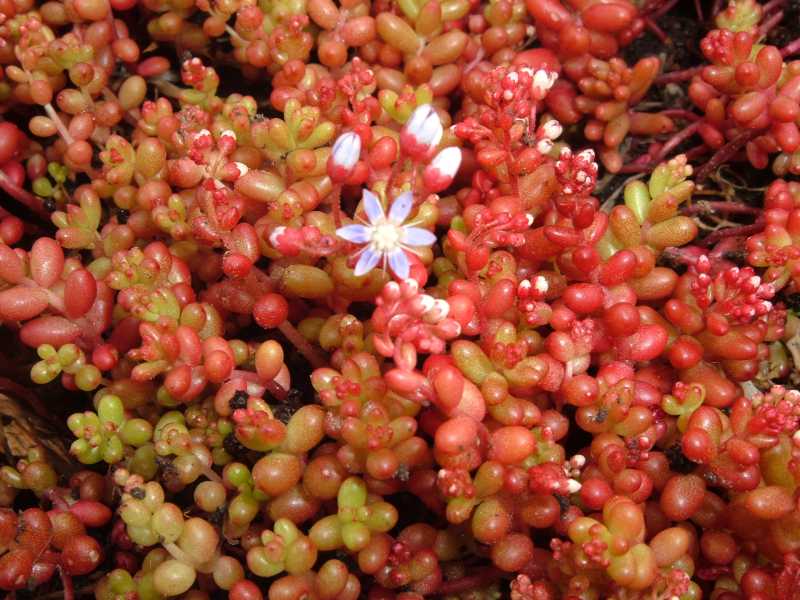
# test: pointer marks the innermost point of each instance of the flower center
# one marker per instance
(385, 236)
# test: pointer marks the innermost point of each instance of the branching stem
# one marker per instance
(724, 154)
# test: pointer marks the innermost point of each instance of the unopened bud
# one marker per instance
(540, 284)
(344, 155)
(422, 132)
(543, 80)
(438, 311)
(241, 167)
(274, 237)
(227, 141)
(426, 302)
(552, 129)
(439, 174)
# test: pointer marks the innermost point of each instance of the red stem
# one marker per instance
(743, 230)
(676, 140)
(66, 581)
(678, 76)
(303, 346)
(463, 584)
(24, 197)
(770, 23)
(276, 390)
(650, 6)
(659, 8)
(698, 150)
(336, 204)
(791, 48)
(699, 10)
(709, 206)
(668, 146)
(639, 166)
(680, 113)
(57, 499)
(770, 5)
(724, 154)
(656, 30)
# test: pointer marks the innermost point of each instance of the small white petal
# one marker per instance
(242, 168)
(426, 301)
(401, 207)
(367, 262)
(372, 206)
(358, 234)
(398, 261)
(573, 486)
(442, 308)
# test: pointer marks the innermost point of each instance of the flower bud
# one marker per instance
(344, 156)
(551, 129)
(543, 80)
(275, 236)
(548, 132)
(227, 142)
(439, 174)
(422, 132)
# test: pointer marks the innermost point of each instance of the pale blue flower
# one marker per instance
(386, 237)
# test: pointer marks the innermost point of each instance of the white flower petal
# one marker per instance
(401, 207)
(434, 131)
(416, 236)
(398, 261)
(358, 234)
(372, 206)
(367, 262)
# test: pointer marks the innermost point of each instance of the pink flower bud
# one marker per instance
(344, 156)
(227, 142)
(443, 168)
(422, 132)
(275, 236)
